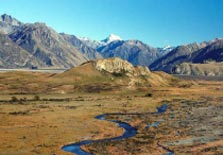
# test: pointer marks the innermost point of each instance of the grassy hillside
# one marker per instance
(85, 77)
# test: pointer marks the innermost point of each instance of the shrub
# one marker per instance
(149, 95)
(14, 99)
(36, 98)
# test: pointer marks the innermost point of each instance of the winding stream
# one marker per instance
(130, 131)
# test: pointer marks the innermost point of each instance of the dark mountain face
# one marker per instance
(13, 56)
(134, 51)
(212, 52)
(178, 59)
(47, 46)
(176, 56)
(89, 52)
(165, 49)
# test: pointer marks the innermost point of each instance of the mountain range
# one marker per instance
(49, 49)
(36, 45)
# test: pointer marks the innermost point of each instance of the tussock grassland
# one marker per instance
(41, 112)
(42, 125)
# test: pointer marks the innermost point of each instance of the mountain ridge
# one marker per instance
(196, 53)
(39, 46)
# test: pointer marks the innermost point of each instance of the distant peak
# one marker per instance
(114, 37)
(9, 20)
(6, 18)
(6, 15)
(167, 47)
(111, 38)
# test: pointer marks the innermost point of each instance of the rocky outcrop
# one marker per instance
(114, 72)
(120, 66)
(208, 69)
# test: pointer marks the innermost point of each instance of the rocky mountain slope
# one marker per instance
(50, 49)
(13, 56)
(39, 46)
(47, 46)
(178, 60)
(88, 51)
(9, 24)
(134, 51)
(165, 49)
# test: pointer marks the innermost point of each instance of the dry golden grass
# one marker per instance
(44, 127)
(64, 114)
(47, 125)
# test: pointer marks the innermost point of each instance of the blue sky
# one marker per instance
(155, 22)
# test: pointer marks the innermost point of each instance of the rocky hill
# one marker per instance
(176, 56)
(46, 47)
(134, 51)
(213, 51)
(114, 72)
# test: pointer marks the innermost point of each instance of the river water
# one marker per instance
(130, 131)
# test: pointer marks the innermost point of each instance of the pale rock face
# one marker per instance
(117, 65)
(144, 71)
(114, 65)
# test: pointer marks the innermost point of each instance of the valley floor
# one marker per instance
(42, 123)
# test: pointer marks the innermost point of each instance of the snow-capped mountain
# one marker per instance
(90, 43)
(96, 44)
(165, 49)
(111, 38)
